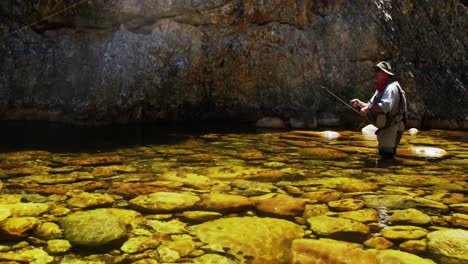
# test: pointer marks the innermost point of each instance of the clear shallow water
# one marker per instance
(58, 162)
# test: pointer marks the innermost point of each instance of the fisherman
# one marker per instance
(387, 110)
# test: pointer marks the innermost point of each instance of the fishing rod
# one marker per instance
(337, 97)
(43, 19)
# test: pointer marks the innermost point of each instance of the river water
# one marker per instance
(298, 177)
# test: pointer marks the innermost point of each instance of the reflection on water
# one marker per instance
(181, 190)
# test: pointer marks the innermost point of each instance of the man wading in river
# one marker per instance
(386, 110)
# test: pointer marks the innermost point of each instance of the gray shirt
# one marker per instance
(389, 103)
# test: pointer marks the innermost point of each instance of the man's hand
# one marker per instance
(364, 111)
(356, 103)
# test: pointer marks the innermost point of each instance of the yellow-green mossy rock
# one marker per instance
(282, 205)
(89, 200)
(404, 232)
(250, 237)
(17, 227)
(365, 215)
(91, 161)
(338, 228)
(323, 196)
(48, 231)
(347, 204)
(409, 180)
(58, 246)
(422, 152)
(222, 202)
(161, 202)
(448, 246)
(402, 202)
(107, 171)
(409, 216)
(461, 207)
(459, 220)
(307, 251)
(188, 179)
(213, 258)
(139, 244)
(311, 210)
(417, 247)
(378, 243)
(4, 213)
(400, 257)
(27, 209)
(94, 228)
(322, 153)
(346, 184)
(200, 216)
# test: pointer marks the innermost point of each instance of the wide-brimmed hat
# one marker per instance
(384, 66)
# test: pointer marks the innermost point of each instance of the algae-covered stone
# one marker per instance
(402, 202)
(213, 258)
(94, 228)
(17, 227)
(58, 246)
(347, 204)
(164, 202)
(448, 246)
(378, 243)
(200, 216)
(250, 237)
(4, 213)
(364, 215)
(322, 153)
(89, 200)
(306, 251)
(409, 216)
(417, 247)
(27, 209)
(221, 202)
(395, 256)
(139, 244)
(48, 230)
(281, 205)
(338, 228)
(460, 207)
(404, 232)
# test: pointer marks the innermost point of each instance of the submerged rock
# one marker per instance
(402, 202)
(338, 228)
(449, 246)
(17, 227)
(306, 251)
(251, 237)
(409, 216)
(94, 229)
(404, 232)
(164, 202)
(395, 256)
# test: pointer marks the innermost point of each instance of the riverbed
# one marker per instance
(229, 194)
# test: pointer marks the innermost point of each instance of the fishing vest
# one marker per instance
(384, 120)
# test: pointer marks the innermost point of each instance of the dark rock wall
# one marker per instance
(120, 61)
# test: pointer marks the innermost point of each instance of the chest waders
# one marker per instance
(390, 125)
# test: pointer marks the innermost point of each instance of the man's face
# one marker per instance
(380, 76)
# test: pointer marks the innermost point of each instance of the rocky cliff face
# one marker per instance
(108, 61)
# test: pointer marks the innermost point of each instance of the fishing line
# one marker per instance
(43, 19)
